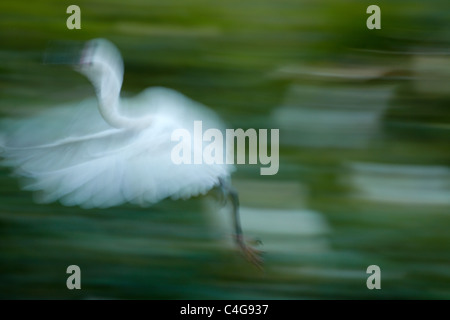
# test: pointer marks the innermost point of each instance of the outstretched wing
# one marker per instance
(93, 165)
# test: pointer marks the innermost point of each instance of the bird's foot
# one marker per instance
(250, 252)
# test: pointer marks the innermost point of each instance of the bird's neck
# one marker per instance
(108, 94)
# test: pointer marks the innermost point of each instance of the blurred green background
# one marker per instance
(364, 119)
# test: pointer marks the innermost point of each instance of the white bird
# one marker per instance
(108, 151)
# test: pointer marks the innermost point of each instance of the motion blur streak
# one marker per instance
(364, 151)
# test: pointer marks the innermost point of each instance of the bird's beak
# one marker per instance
(64, 52)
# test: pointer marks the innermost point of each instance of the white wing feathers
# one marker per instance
(72, 155)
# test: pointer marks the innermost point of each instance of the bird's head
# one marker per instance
(99, 58)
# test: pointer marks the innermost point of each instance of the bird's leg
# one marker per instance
(222, 192)
(250, 253)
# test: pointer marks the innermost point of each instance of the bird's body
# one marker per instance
(72, 155)
(108, 151)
